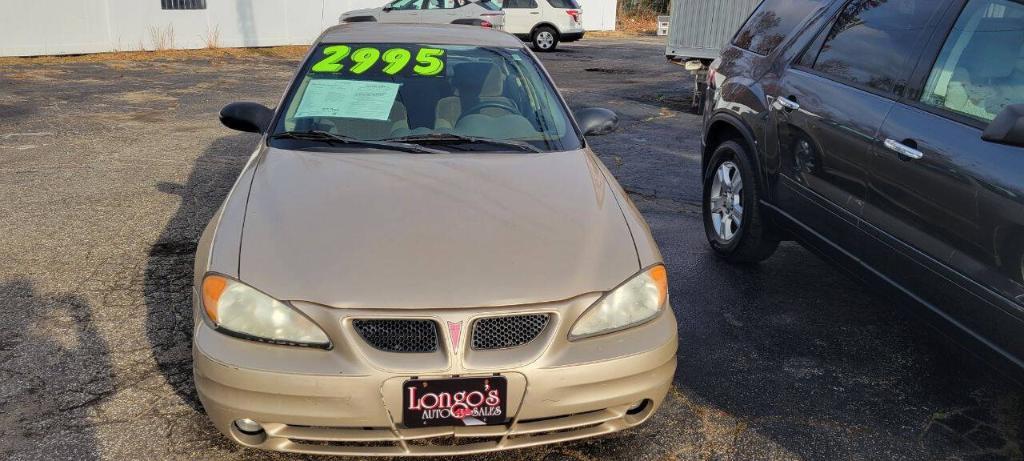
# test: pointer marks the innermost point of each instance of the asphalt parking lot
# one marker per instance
(109, 170)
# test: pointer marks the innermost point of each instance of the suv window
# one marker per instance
(980, 70)
(445, 4)
(871, 42)
(772, 22)
(564, 4)
(513, 4)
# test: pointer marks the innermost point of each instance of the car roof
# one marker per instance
(434, 34)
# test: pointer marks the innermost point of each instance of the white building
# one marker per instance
(45, 27)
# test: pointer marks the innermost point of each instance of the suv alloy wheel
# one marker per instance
(732, 213)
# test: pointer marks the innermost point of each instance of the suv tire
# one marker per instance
(545, 38)
(733, 222)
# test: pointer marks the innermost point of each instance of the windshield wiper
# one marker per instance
(446, 138)
(323, 136)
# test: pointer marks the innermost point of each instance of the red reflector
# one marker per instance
(486, 24)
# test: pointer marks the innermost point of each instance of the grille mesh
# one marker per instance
(408, 336)
(507, 332)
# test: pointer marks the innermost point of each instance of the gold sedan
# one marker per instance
(423, 257)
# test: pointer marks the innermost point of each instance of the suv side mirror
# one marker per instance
(1008, 127)
(387, 8)
(596, 121)
(249, 117)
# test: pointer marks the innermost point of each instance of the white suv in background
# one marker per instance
(543, 22)
(482, 13)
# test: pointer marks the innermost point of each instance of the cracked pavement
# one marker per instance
(109, 170)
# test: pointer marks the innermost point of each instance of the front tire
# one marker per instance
(545, 39)
(733, 222)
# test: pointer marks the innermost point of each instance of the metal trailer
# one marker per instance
(698, 31)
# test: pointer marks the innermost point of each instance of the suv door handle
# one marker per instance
(535, 12)
(903, 149)
(788, 104)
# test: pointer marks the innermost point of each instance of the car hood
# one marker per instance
(384, 230)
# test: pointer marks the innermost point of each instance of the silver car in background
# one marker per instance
(482, 13)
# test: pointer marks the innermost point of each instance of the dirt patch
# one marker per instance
(35, 74)
(145, 97)
(133, 118)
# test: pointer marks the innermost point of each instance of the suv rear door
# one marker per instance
(558, 14)
(521, 16)
(950, 203)
(829, 105)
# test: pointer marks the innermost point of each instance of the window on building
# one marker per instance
(183, 4)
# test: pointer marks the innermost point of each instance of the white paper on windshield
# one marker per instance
(348, 99)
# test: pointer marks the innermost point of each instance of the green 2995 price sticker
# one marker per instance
(343, 58)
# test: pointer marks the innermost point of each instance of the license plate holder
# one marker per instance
(476, 401)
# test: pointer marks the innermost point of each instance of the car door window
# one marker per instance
(772, 22)
(872, 43)
(406, 5)
(980, 69)
(441, 4)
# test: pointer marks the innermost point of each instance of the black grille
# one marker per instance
(409, 336)
(507, 332)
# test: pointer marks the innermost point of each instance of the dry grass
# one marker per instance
(282, 52)
(162, 37)
(212, 39)
(637, 23)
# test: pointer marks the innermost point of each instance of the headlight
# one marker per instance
(637, 301)
(238, 308)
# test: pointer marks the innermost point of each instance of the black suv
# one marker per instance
(886, 136)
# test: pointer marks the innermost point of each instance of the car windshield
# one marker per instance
(464, 98)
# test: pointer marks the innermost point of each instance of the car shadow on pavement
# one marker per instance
(168, 276)
(798, 360)
(55, 371)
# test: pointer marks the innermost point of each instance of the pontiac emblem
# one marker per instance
(455, 333)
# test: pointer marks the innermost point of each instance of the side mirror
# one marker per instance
(387, 8)
(249, 117)
(596, 121)
(1008, 127)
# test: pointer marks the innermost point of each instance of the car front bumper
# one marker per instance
(348, 400)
